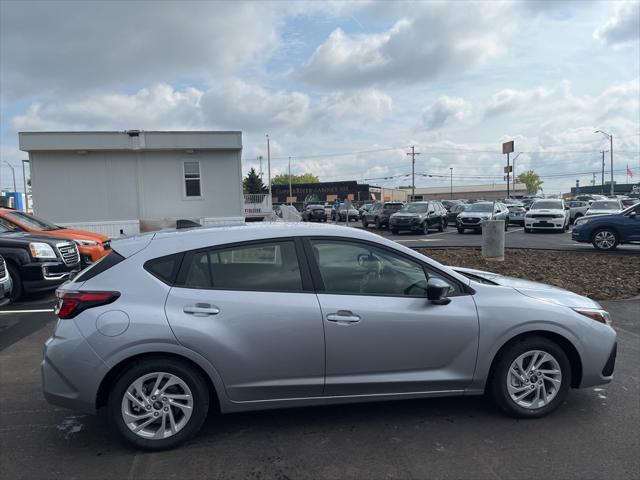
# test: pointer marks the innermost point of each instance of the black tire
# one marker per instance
(378, 224)
(17, 290)
(364, 223)
(608, 233)
(460, 230)
(425, 227)
(498, 378)
(506, 225)
(527, 230)
(441, 226)
(395, 231)
(194, 380)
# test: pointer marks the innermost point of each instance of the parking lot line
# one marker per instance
(27, 311)
(516, 230)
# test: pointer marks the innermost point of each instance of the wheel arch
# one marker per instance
(597, 228)
(565, 344)
(112, 375)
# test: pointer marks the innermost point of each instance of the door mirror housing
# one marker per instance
(633, 215)
(437, 290)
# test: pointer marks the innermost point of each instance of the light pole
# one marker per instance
(269, 168)
(610, 137)
(15, 189)
(290, 192)
(450, 183)
(514, 172)
(26, 193)
(260, 160)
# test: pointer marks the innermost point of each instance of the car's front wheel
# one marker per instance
(364, 223)
(159, 403)
(460, 230)
(16, 289)
(531, 377)
(605, 239)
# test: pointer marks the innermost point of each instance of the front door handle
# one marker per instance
(343, 317)
(201, 309)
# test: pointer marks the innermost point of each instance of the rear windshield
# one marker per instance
(545, 204)
(605, 205)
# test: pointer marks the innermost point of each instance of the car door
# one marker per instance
(382, 335)
(631, 225)
(250, 310)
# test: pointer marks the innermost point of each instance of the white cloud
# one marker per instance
(433, 40)
(623, 28)
(511, 100)
(445, 111)
(361, 105)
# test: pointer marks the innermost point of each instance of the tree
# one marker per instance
(283, 179)
(252, 183)
(532, 180)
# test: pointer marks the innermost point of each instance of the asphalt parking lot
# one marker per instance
(594, 435)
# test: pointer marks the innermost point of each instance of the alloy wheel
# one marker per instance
(534, 379)
(157, 405)
(604, 239)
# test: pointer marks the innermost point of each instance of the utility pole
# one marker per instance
(15, 189)
(290, 191)
(451, 183)
(26, 192)
(260, 160)
(269, 169)
(602, 184)
(610, 137)
(413, 154)
(514, 172)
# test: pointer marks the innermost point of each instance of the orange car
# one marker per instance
(92, 246)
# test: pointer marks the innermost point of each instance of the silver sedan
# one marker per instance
(172, 325)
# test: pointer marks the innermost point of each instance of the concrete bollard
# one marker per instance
(493, 240)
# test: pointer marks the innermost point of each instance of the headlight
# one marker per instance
(85, 243)
(41, 250)
(596, 314)
(581, 221)
(559, 215)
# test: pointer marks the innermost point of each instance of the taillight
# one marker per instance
(71, 304)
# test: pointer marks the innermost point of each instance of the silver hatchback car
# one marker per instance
(173, 324)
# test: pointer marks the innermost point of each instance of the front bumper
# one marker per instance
(71, 370)
(42, 276)
(545, 223)
(580, 234)
(92, 253)
(5, 291)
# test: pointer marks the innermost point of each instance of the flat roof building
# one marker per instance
(494, 191)
(131, 181)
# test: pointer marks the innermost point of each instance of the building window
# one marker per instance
(192, 179)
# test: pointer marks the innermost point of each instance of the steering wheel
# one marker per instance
(365, 258)
(418, 284)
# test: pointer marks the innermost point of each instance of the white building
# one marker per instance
(126, 182)
(494, 191)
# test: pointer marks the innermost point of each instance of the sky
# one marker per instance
(343, 88)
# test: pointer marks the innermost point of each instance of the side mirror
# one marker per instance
(633, 215)
(566, 207)
(437, 291)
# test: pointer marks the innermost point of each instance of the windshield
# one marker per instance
(6, 228)
(414, 208)
(394, 207)
(31, 221)
(547, 204)
(479, 207)
(605, 206)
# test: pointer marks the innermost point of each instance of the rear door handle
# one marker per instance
(343, 316)
(201, 309)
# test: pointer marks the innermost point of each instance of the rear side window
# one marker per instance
(165, 268)
(102, 265)
(269, 266)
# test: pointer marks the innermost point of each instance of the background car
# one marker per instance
(577, 209)
(605, 207)
(341, 213)
(628, 202)
(516, 213)
(420, 216)
(379, 214)
(606, 232)
(92, 246)
(474, 214)
(547, 214)
(314, 213)
(5, 283)
(171, 325)
(452, 214)
(364, 208)
(37, 263)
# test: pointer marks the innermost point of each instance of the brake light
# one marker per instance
(71, 304)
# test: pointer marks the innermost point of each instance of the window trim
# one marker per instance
(184, 181)
(318, 283)
(305, 275)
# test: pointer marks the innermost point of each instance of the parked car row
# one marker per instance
(38, 256)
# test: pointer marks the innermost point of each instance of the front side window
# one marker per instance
(192, 187)
(267, 267)
(364, 269)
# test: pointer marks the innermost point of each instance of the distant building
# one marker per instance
(618, 189)
(468, 192)
(330, 191)
(126, 182)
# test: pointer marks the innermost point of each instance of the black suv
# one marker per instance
(36, 263)
(379, 214)
(419, 216)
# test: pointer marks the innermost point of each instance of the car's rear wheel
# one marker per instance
(394, 231)
(527, 230)
(441, 226)
(425, 227)
(460, 230)
(506, 225)
(159, 403)
(605, 239)
(531, 377)
(365, 224)
(378, 224)
(16, 290)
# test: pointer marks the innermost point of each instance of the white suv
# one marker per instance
(547, 214)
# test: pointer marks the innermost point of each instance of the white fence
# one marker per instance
(257, 205)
